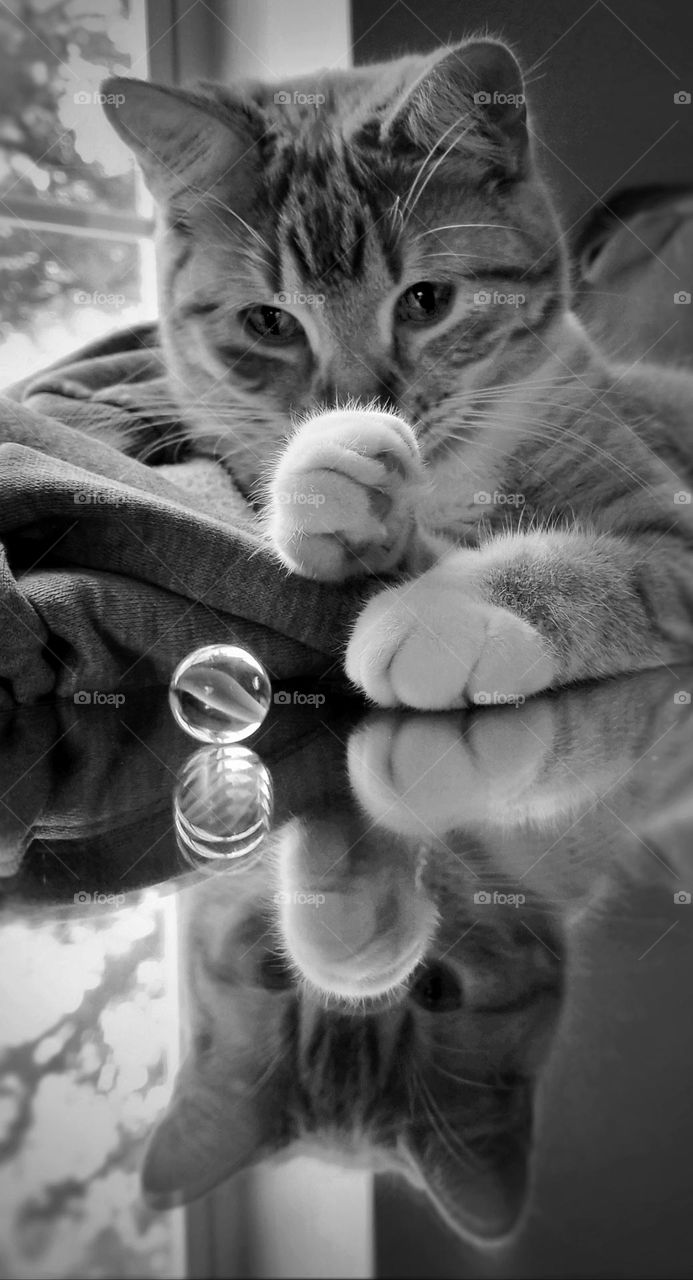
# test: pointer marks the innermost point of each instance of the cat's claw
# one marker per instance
(429, 645)
(341, 502)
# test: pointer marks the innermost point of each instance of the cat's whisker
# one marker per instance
(560, 432)
(266, 1075)
(460, 1079)
(448, 1136)
(428, 157)
(464, 226)
(610, 418)
(163, 445)
(396, 216)
(434, 169)
(449, 253)
(214, 199)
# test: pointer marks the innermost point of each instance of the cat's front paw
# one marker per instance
(432, 644)
(342, 500)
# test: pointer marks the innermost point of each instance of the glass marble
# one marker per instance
(220, 693)
(222, 804)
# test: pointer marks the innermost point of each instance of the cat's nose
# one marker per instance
(365, 385)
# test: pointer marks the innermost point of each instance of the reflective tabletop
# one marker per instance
(373, 993)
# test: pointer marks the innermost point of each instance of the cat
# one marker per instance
(358, 996)
(342, 1029)
(365, 314)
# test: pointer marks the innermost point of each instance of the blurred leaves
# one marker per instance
(53, 56)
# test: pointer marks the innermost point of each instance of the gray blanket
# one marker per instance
(111, 571)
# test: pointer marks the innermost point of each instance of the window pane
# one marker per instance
(59, 291)
(55, 142)
(87, 1061)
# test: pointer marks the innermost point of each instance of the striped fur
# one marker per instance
(330, 212)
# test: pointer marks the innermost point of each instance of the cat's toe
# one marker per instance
(398, 654)
(432, 648)
(342, 501)
(515, 661)
(323, 524)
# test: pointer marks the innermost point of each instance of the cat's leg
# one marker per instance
(342, 500)
(522, 614)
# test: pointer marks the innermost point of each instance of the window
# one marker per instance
(76, 252)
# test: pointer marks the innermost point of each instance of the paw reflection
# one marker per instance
(353, 912)
(385, 985)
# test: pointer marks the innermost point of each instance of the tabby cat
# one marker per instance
(365, 315)
(358, 997)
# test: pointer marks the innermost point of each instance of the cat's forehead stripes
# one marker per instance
(328, 210)
(343, 1067)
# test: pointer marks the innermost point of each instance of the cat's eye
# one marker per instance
(436, 988)
(275, 974)
(424, 303)
(270, 322)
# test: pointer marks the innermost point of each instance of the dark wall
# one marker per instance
(602, 94)
(611, 1194)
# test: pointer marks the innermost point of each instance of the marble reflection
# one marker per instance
(386, 986)
(222, 806)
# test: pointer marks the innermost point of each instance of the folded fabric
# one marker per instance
(110, 571)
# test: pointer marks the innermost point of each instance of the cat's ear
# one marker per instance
(469, 103)
(204, 1138)
(180, 140)
(478, 1183)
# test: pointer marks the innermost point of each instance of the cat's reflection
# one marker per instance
(386, 986)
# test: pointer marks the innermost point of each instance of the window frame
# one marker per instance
(165, 26)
